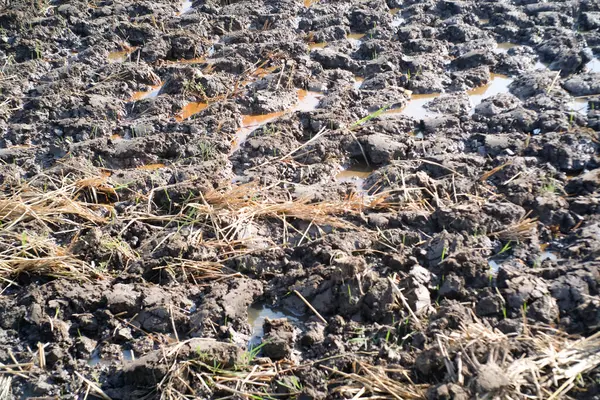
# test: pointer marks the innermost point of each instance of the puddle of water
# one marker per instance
(308, 3)
(494, 266)
(151, 167)
(498, 84)
(320, 45)
(579, 105)
(358, 81)
(95, 358)
(186, 6)
(197, 60)
(358, 170)
(547, 255)
(115, 136)
(397, 21)
(355, 38)
(190, 109)
(250, 123)
(394, 11)
(149, 94)
(484, 21)
(257, 313)
(307, 101)
(540, 65)
(593, 66)
(120, 56)
(505, 47)
(415, 107)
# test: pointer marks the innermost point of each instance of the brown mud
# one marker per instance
(295, 199)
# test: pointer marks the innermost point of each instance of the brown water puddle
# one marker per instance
(307, 101)
(314, 45)
(151, 167)
(505, 47)
(394, 11)
(358, 81)
(498, 84)
(197, 60)
(149, 94)
(190, 109)
(359, 171)
(308, 3)
(415, 108)
(121, 55)
(416, 105)
(355, 38)
(115, 136)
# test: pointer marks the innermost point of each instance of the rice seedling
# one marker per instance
(208, 151)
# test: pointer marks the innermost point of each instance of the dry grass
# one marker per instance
(28, 253)
(30, 213)
(554, 365)
(198, 271)
(57, 205)
(373, 382)
(230, 209)
(520, 230)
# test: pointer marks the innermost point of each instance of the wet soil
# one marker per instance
(462, 138)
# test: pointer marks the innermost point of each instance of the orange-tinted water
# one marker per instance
(153, 92)
(319, 45)
(307, 101)
(190, 109)
(151, 167)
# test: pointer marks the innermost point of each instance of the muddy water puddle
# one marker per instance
(257, 313)
(95, 358)
(504, 47)
(498, 84)
(186, 6)
(397, 20)
(416, 106)
(580, 106)
(358, 81)
(319, 45)
(190, 109)
(149, 94)
(593, 66)
(307, 101)
(120, 55)
(355, 38)
(357, 173)
(496, 264)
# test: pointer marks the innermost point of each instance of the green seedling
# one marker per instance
(369, 117)
(505, 248)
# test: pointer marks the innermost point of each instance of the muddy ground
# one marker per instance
(179, 180)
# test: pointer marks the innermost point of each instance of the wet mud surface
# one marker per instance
(290, 199)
